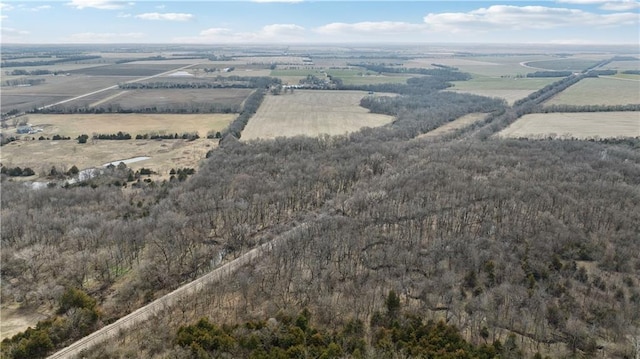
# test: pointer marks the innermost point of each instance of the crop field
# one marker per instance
(164, 154)
(126, 69)
(456, 124)
(481, 66)
(623, 65)
(76, 124)
(578, 124)
(311, 113)
(169, 99)
(568, 64)
(54, 89)
(599, 91)
(509, 89)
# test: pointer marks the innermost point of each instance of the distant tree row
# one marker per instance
(217, 82)
(20, 72)
(49, 62)
(549, 74)
(251, 105)
(24, 82)
(589, 108)
(447, 74)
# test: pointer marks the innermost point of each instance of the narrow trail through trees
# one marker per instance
(173, 298)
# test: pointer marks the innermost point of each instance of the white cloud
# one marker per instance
(160, 7)
(170, 16)
(99, 4)
(9, 31)
(86, 37)
(269, 33)
(285, 1)
(2, 17)
(6, 7)
(41, 7)
(124, 15)
(509, 17)
(369, 28)
(611, 5)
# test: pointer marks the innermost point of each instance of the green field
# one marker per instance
(569, 64)
(599, 91)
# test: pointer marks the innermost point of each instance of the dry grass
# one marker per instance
(76, 124)
(178, 98)
(16, 319)
(459, 123)
(164, 154)
(578, 125)
(311, 113)
(599, 91)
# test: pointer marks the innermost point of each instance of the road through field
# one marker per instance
(223, 272)
(116, 86)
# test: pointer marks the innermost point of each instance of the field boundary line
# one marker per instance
(170, 299)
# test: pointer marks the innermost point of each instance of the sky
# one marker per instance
(321, 21)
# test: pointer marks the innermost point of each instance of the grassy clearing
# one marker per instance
(510, 89)
(623, 65)
(311, 113)
(164, 154)
(578, 124)
(599, 91)
(459, 123)
(74, 125)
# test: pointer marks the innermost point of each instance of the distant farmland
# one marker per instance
(599, 91)
(311, 113)
(76, 124)
(578, 125)
(510, 89)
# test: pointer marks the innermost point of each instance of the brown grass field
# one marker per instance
(600, 91)
(459, 123)
(578, 124)
(76, 124)
(311, 113)
(165, 154)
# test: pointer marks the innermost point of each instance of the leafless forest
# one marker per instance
(533, 240)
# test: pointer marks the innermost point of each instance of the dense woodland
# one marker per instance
(531, 243)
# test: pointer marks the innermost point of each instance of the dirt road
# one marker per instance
(223, 272)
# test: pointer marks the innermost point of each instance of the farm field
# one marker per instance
(599, 91)
(481, 66)
(459, 123)
(73, 125)
(54, 89)
(564, 64)
(578, 124)
(510, 89)
(164, 154)
(172, 99)
(623, 65)
(311, 113)
(127, 69)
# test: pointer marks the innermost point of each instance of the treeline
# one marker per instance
(217, 82)
(631, 72)
(447, 74)
(251, 105)
(77, 315)
(20, 72)
(23, 82)
(589, 108)
(287, 336)
(549, 74)
(59, 59)
(178, 108)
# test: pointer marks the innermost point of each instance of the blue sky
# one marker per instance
(308, 22)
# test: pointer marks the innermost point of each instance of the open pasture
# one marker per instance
(509, 89)
(576, 124)
(599, 91)
(480, 66)
(623, 65)
(164, 154)
(311, 113)
(73, 125)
